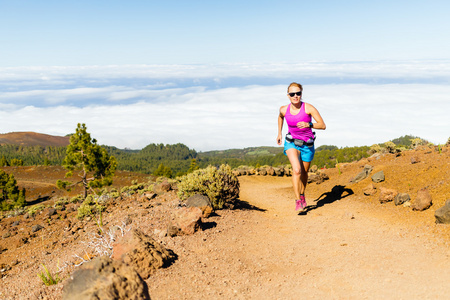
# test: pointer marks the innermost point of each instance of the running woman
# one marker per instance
(299, 116)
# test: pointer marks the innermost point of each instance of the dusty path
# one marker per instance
(338, 250)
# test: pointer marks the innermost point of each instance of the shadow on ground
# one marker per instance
(38, 200)
(208, 225)
(244, 205)
(336, 193)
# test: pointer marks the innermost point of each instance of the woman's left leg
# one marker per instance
(304, 168)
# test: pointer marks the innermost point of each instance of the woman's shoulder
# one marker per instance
(309, 107)
(283, 109)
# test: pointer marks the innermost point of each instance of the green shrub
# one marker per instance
(77, 199)
(390, 147)
(219, 185)
(47, 277)
(61, 202)
(135, 188)
(89, 207)
(416, 142)
(34, 209)
(375, 148)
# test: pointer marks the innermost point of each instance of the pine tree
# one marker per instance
(10, 195)
(193, 166)
(93, 164)
(4, 162)
(163, 171)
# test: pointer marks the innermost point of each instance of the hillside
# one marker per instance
(176, 159)
(33, 139)
(346, 245)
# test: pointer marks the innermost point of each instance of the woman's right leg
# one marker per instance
(293, 156)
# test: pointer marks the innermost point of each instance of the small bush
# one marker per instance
(219, 185)
(135, 188)
(34, 209)
(417, 142)
(47, 277)
(390, 147)
(375, 148)
(77, 199)
(61, 203)
(89, 208)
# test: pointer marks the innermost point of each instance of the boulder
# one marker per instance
(202, 202)
(401, 198)
(36, 228)
(387, 195)
(51, 212)
(422, 201)
(370, 190)
(262, 171)
(288, 171)
(162, 187)
(442, 214)
(142, 252)
(241, 172)
(415, 160)
(318, 178)
(378, 177)
(104, 278)
(149, 196)
(279, 171)
(270, 171)
(363, 174)
(187, 219)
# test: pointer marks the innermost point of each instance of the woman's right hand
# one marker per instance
(279, 139)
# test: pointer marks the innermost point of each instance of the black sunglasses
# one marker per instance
(293, 94)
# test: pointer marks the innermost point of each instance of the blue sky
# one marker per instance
(197, 32)
(213, 74)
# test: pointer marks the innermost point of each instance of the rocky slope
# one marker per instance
(345, 245)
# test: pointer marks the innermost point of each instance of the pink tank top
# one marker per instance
(292, 120)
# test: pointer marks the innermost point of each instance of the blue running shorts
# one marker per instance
(306, 153)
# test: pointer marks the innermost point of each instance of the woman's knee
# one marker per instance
(297, 171)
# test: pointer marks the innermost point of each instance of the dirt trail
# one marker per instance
(341, 248)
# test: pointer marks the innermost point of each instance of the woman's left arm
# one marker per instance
(311, 110)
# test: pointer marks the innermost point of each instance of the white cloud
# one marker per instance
(243, 117)
(227, 106)
(372, 71)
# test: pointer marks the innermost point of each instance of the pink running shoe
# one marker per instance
(303, 201)
(298, 205)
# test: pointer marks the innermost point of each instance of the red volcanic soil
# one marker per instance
(344, 246)
(40, 181)
(33, 139)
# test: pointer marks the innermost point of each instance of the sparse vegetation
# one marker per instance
(89, 207)
(416, 142)
(47, 277)
(219, 184)
(36, 208)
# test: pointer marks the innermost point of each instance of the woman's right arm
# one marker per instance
(280, 123)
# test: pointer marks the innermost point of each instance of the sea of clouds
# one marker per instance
(216, 107)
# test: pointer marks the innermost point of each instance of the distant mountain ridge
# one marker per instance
(30, 138)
